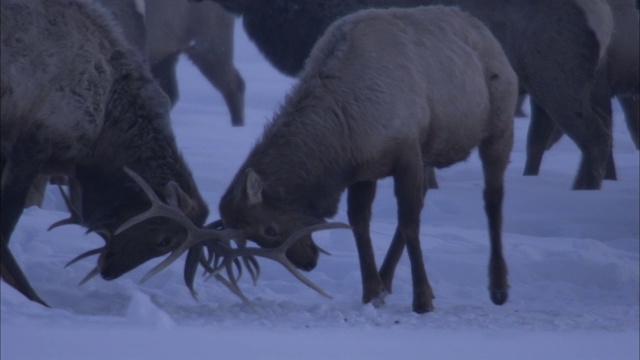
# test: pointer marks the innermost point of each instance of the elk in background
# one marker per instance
(204, 32)
(622, 71)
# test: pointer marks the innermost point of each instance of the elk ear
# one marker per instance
(178, 198)
(254, 187)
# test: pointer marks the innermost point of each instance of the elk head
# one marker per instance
(267, 221)
(151, 238)
(103, 210)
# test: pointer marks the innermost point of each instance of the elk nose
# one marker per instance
(108, 274)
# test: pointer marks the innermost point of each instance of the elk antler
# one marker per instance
(74, 219)
(195, 235)
(218, 241)
(277, 254)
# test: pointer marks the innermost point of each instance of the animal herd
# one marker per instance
(385, 88)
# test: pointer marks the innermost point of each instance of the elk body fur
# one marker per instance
(78, 100)
(380, 96)
(555, 47)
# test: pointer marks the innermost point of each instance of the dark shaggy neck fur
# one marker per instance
(137, 134)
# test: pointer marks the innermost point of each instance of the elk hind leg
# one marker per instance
(212, 53)
(631, 107)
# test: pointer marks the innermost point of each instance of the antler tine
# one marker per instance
(279, 254)
(194, 237)
(233, 286)
(308, 230)
(95, 271)
(84, 255)
(158, 208)
(194, 257)
(165, 263)
(75, 217)
(253, 267)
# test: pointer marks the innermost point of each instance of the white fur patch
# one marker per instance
(140, 6)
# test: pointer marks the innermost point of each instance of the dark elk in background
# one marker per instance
(621, 74)
(79, 101)
(380, 96)
(554, 46)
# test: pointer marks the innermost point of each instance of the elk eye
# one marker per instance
(164, 242)
(270, 231)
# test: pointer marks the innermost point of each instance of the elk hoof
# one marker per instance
(378, 301)
(423, 308)
(499, 297)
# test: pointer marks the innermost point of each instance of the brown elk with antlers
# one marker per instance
(78, 100)
(380, 96)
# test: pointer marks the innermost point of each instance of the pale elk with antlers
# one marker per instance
(381, 95)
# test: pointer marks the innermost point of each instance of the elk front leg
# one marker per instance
(409, 186)
(16, 182)
(388, 268)
(359, 199)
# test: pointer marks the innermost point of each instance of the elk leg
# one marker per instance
(13, 275)
(431, 182)
(212, 53)
(540, 130)
(359, 199)
(164, 71)
(35, 197)
(494, 163)
(520, 113)
(631, 107)
(16, 183)
(408, 187)
(601, 98)
(387, 270)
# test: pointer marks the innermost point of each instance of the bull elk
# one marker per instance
(78, 100)
(380, 95)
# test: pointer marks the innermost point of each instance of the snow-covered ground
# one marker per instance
(573, 260)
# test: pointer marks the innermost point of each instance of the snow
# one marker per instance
(573, 258)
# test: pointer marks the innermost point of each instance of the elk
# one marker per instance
(555, 47)
(621, 71)
(78, 100)
(379, 96)
(204, 32)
